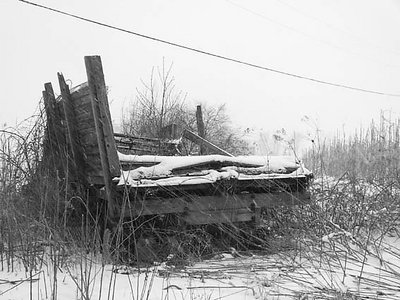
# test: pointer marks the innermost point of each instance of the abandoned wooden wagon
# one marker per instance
(145, 177)
(211, 188)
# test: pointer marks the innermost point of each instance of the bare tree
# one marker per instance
(220, 130)
(158, 103)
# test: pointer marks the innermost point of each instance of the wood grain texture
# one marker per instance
(193, 203)
(104, 130)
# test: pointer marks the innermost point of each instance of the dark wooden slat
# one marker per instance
(83, 117)
(193, 203)
(77, 170)
(91, 148)
(102, 117)
(88, 126)
(81, 91)
(83, 108)
(215, 217)
(56, 137)
(121, 135)
(101, 111)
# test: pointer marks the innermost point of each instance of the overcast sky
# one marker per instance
(350, 42)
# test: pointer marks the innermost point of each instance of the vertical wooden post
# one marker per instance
(77, 169)
(104, 131)
(56, 138)
(200, 127)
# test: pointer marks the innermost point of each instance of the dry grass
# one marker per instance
(319, 246)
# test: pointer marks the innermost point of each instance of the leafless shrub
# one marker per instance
(159, 103)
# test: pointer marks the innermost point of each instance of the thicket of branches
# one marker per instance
(20, 160)
(33, 197)
(159, 103)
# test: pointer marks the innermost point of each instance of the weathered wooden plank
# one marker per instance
(86, 127)
(101, 111)
(49, 100)
(193, 203)
(139, 145)
(55, 113)
(203, 142)
(56, 138)
(147, 150)
(90, 139)
(85, 124)
(76, 170)
(215, 217)
(92, 149)
(122, 135)
(85, 109)
(102, 117)
(82, 102)
(81, 98)
(80, 91)
(83, 113)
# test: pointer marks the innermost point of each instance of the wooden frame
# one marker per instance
(80, 133)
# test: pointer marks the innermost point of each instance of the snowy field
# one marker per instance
(329, 270)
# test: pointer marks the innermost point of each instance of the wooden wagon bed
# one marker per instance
(200, 189)
(212, 188)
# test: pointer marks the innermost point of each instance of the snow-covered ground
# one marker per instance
(325, 271)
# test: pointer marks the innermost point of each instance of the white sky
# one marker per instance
(352, 42)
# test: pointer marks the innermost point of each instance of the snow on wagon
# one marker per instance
(127, 174)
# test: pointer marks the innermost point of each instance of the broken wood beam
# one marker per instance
(203, 142)
(103, 126)
(55, 133)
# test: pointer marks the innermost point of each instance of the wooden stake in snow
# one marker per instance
(200, 128)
